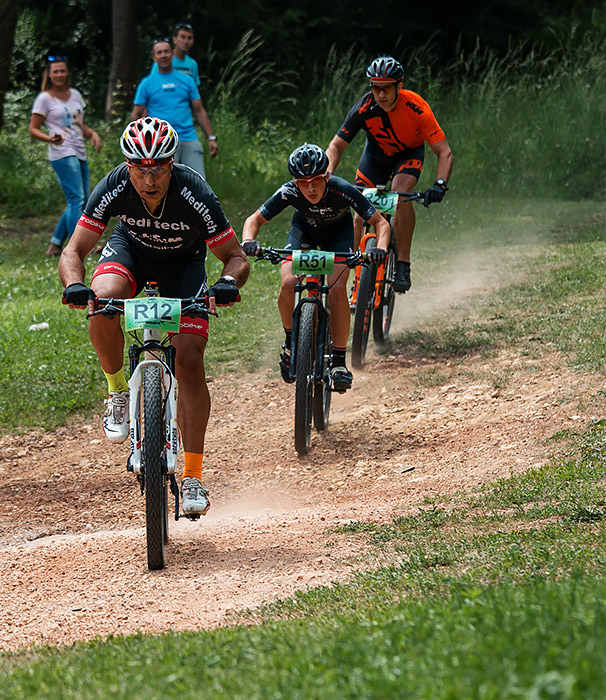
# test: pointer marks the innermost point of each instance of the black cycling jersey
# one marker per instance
(190, 216)
(330, 211)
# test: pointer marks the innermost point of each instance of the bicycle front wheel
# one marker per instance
(156, 495)
(383, 312)
(322, 392)
(364, 308)
(306, 355)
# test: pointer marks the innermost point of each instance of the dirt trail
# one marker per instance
(71, 521)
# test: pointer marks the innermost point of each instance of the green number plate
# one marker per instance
(153, 312)
(385, 202)
(312, 262)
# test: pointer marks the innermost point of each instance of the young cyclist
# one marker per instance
(322, 219)
(397, 123)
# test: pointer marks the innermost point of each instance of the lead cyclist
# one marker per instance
(168, 218)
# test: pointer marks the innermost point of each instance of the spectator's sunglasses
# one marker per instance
(183, 25)
(158, 39)
(52, 59)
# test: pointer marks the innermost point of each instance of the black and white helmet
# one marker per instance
(308, 160)
(148, 141)
(385, 68)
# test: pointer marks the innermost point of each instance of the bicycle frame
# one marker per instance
(152, 343)
(318, 294)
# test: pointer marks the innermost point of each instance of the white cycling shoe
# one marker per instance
(194, 497)
(115, 420)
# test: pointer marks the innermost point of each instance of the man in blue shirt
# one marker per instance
(172, 95)
(183, 40)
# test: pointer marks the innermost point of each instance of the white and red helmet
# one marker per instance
(149, 141)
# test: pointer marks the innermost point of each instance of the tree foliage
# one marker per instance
(107, 48)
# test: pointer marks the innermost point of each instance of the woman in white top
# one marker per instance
(61, 109)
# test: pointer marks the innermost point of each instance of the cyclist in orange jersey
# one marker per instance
(397, 123)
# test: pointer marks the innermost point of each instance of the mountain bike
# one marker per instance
(373, 294)
(154, 434)
(311, 343)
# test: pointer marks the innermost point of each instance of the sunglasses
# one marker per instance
(316, 181)
(157, 40)
(184, 25)
(382, 85)
(52, 59)
(142, 170)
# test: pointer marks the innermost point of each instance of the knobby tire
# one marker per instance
(383, 314)
(322, 392)
(364, 310)
(305, 360)
(155, 482)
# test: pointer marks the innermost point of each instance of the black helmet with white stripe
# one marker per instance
(308, 160)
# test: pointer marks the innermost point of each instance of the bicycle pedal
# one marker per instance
(190, 516)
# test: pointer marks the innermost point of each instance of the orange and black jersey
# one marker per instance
(409, 125)
(332, 209)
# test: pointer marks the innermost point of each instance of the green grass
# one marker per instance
(535, 640)
(548, 296)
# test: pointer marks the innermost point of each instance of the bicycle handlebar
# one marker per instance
(414, 196)
(277, 255)
(190, 306)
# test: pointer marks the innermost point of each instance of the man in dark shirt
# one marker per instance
(397, 123)
(322, 219)
(168, 217)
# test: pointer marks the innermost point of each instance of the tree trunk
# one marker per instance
(9, 12)
(123, 72)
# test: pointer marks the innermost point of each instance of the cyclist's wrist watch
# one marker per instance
(228, 278)
(440, 182)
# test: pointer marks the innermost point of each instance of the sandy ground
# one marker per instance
(72, 539)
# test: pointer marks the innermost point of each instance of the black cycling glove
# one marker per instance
(434, 194)
(377, 255)
(251, 248)
(77, 294)
(225, 291)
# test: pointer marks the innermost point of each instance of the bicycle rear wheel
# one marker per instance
(156, 494)
(322, 392)
(306, 354)
(383, 313)
(364, 308)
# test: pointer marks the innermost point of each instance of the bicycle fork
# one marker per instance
(171, 434)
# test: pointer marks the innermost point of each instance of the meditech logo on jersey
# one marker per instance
(168, 87)
(201, 208)
(107, 199)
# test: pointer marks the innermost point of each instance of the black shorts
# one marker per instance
(337, 239)
(378, 169)
(177, 278)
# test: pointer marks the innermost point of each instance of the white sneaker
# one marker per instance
(194, 496)
(115, 420)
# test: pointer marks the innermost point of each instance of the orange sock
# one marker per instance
(193, 465)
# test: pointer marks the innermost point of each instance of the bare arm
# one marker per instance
(35, 129)
(442, 150)
(334, 152)
(204, 122)
(252, 226)
(71, 263)
(235, 262)
(382, 229)
(137, 113)
(94, 137)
